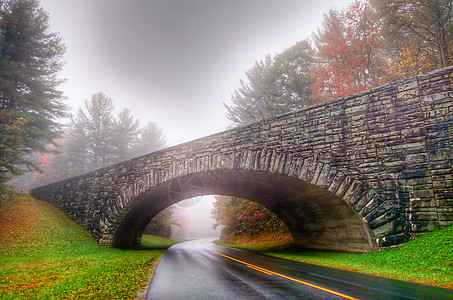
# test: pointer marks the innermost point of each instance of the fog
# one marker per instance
(174, 62)
(194, 216)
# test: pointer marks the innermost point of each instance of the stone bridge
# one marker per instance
(357, 173)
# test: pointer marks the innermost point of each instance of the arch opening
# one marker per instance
(316, 218)
(192, 218)
(224, 218)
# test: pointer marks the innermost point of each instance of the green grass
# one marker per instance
(156, 242)
(44, 255)
(262, 243)
(427, 259)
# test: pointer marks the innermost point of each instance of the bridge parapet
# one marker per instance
(381, 158)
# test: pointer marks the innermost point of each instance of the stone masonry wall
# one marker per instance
(387, 152)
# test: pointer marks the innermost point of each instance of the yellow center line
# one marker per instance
(269, 272)
(259, 269)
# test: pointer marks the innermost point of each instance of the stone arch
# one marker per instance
(384, 153)
(317, 212)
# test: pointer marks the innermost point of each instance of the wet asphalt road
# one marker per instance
(202, 270)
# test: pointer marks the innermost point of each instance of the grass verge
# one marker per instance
(155, 242)
(44, 255)
(261, 243)
(427, 259)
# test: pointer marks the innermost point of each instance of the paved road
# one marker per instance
(202, 270)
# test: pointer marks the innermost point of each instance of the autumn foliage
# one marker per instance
(348, 58)
(245, 220)
(367, 44)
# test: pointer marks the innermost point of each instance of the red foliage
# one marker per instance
(348, 53)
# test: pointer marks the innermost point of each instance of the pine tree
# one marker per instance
(125, 135)
(253, 100)
(152, 138)
(30, 102)
(275, 85)
(292, 68)
(93, 129)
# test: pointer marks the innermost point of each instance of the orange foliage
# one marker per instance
(410, 63)
(265, 239)
(348, 54)
(17, 221)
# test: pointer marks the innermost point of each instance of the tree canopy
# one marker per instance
(368, 43)
(94, 140)
(274, 85)
(349, 51)
(422, 27)
(30, 102)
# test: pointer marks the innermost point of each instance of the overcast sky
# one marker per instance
(174, 62)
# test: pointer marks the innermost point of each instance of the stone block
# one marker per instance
(408, 94)
(422, 216)
(323, 175)
(350, 192)
(446, 215)
(317, 172)
(395, 226)
(330, 178)
(383, 219)
(378, 211)
(393, 239)
(423, 226)
(443, 195)
(408, 84)
(364, 200)
(336, 182)
(419, 175)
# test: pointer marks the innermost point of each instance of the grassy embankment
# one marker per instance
(44, 255)
(261, 243)
(427, 259)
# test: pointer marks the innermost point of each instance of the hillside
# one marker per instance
(427, 259)
(45, 255)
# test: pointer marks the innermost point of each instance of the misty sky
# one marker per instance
(196, 219)
(174, 62)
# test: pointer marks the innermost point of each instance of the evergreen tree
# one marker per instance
(253, 100)
(275, 85)
(292, 68)
(152, 138)
(93, 129)
(30, 102)
(125, 135)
